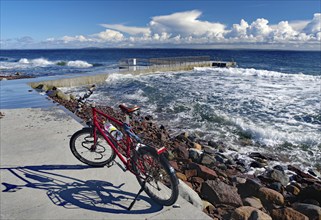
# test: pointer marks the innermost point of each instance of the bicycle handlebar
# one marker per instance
(81, 100)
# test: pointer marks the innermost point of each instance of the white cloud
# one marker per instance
(185, 29)
(110, 35)
(68, 39)
(314, 26)
(127, 29)
(185, 24)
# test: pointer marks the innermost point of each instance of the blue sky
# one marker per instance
(167, 23)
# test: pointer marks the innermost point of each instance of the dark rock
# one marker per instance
(219, 158)
(278, 176)
(278, 167)
(181, 152)
(256, 164)
(312, 211)
(148, 117)
(257, 155)
(209, 151)
(194, 155)
(299, 172)
(249, 188)
(216, 191)
(311, 201)
(314, 173)
(207, 159)
(311, 192)
(287, 214)
(293, 189)
(190, 173)
(276, 186)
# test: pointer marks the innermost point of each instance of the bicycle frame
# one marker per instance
(126, 141)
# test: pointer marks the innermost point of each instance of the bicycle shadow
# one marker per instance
(72, 193)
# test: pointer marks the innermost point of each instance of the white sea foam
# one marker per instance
(79, 64)
(42, 62)
(115, 77)
(220, 104)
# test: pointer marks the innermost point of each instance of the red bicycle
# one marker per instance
(96, 145)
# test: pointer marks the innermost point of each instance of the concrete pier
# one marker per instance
(140, 66)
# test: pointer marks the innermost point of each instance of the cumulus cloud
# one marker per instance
(110, 35)
(314, 26)
(185, 24)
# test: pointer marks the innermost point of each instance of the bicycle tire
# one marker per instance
(84, 150)
(157, 169)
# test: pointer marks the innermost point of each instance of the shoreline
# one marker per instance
(222, 182)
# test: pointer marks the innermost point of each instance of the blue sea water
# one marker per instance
(272, 97)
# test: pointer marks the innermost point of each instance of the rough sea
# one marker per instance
(272, 99)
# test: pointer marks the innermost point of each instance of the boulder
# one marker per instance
(279, 176)
(311, 192)
(312, 211)
(287, 214)
(253, 202)
(293, 190)
(205, 172)
(249, 188)
(268, 196)
(215, 191)
(249, 213)
(190, 195)
(207, 160)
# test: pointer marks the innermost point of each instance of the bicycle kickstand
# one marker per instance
(139, 192)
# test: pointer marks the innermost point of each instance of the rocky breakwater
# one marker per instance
(220, 184)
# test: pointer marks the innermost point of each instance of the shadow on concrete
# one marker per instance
(73, 193)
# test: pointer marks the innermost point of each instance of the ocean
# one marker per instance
(272, 99)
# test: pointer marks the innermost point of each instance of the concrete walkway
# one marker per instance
(41, 179)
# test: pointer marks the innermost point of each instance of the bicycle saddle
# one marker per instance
(128, 110)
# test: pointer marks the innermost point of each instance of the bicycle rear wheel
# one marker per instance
(94, 154)
(156, 176)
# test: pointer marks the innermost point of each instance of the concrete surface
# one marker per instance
(41, 179)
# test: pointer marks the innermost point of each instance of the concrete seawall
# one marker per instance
(101, 78)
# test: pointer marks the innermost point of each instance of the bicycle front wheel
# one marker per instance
(156, 176)
(85, 149)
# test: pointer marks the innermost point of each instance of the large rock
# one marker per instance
(279, 176)
(217, 192)
(268, 195)
(287, 214)
(312, 211)
(311, 192)
(249, 188)
(190, 195)
(203, 171)
(253, 202)
(249, 213)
